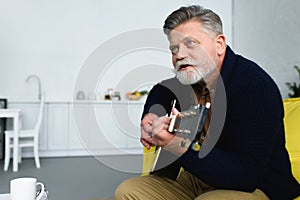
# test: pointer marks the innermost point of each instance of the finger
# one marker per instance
(147, 143)
(149, 117)
(161, 120)
(147, 129)
(175, 112)
(160, 125)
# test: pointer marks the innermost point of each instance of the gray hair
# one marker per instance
(211, 22)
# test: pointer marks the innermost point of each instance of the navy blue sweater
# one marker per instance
(250, 152)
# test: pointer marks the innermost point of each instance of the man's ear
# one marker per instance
(221, 44)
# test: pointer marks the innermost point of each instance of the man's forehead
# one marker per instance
(176, 36)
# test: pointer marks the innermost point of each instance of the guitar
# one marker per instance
(188, 126)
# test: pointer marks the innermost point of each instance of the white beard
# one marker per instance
(189, 76)
(199, 72)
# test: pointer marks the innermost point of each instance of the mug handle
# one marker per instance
(42, 191)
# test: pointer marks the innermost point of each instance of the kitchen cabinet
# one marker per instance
(58, 126)
(84, 128)
(106, 127)
(75, 141)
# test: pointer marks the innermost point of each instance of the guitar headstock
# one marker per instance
(189, 122)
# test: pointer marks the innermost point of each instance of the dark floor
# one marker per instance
(75, 178)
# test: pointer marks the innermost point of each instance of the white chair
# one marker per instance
(27, 138)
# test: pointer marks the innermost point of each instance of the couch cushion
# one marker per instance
(292, 133)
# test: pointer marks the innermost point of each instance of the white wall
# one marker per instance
(55, 39)
(268, 33)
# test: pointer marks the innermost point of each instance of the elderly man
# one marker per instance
(248, 160)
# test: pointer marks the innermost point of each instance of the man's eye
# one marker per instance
(190, 43)
(174, 49)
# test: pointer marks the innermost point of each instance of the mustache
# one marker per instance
(184, 62)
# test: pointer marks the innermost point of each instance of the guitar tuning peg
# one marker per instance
(186, 131)
(192, 113)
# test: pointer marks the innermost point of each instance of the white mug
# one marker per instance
(25, 189)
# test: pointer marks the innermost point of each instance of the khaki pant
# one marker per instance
(186, 187)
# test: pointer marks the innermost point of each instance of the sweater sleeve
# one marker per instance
(158, 101)
(161, 96)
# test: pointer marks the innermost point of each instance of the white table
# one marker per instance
(15, 114)
(7, 197)
(4, 196)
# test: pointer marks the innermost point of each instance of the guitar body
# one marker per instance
(187, 126)
(165, 164)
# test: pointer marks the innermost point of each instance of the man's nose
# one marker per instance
(182, 52)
